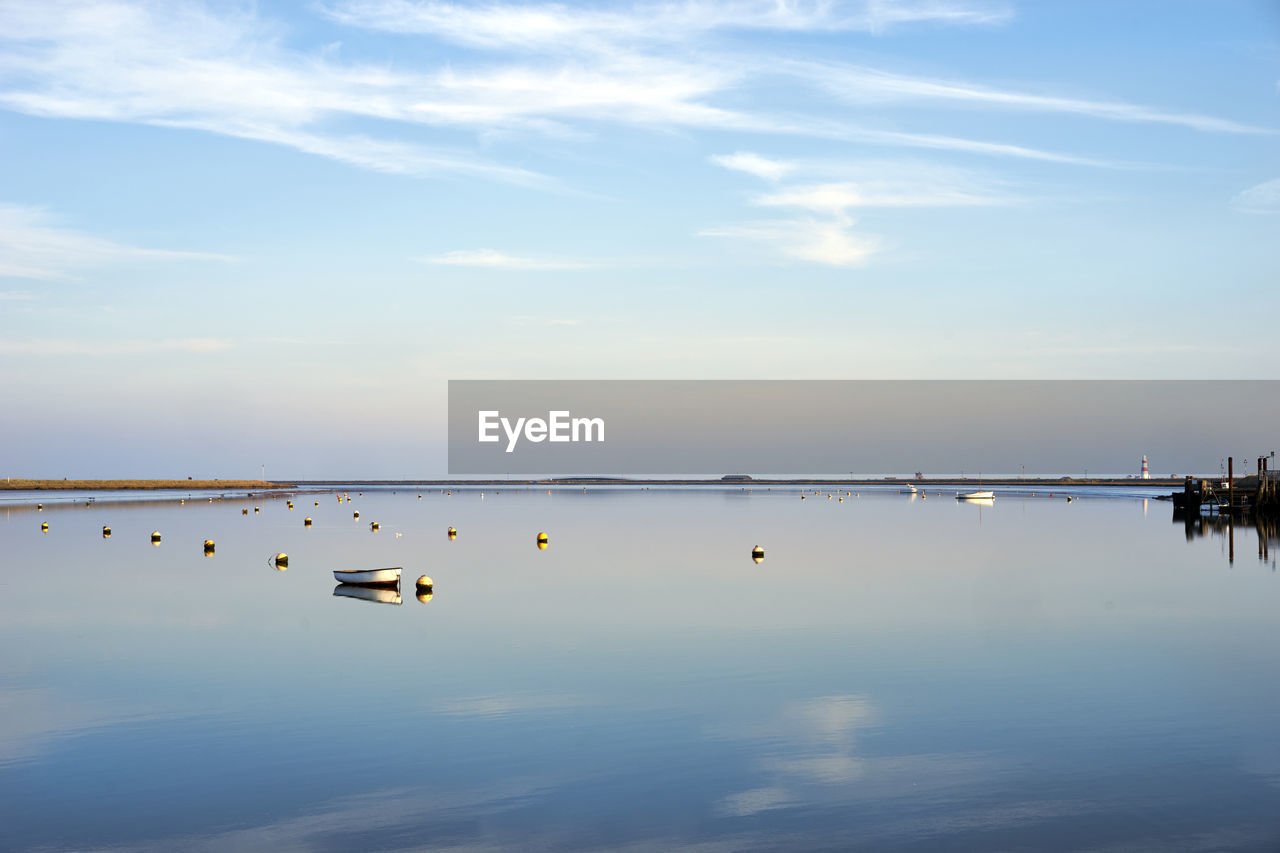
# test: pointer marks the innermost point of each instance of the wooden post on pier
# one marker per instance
(1231, 484)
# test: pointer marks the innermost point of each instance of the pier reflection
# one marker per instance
(1198, 525)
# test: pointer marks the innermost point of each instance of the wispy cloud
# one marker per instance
(543, 26)
(830, 242)
(654, 65)
(837, 197)
(826, 234)
(754, 164)
(872, 85)
(33, 246)
(67, 346)
(491, 259)
(1261, 198)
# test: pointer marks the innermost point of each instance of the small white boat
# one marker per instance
(376, 594)
(369, 577)
(909, 490)
(976, 496)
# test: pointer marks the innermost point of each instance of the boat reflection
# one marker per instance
(376, 594)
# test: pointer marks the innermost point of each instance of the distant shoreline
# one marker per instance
(260, 485)
(16, 485)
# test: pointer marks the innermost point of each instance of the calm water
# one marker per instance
(898, 674)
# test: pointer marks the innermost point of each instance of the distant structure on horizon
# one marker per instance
(1146, 473)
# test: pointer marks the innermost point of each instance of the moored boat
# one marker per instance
(975, 496)
(369, 577)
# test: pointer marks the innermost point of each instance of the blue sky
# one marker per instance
(242, 233)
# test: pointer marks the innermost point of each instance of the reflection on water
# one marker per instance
(1265, 531)
(380, 595)
(901, 673)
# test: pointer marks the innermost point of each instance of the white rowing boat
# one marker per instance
(975, 496)
(369, 577)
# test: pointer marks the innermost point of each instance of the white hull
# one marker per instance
(369, 577)
(976, 496)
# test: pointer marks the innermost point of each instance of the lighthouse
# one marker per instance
(1146, 474)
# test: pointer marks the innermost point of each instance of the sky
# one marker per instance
(246, 234)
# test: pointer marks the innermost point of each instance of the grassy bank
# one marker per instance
(107, 485)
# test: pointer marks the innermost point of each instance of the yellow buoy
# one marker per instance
(257, 509)
(40, 507)
(355, 514)
(419, 497)
(244, 511)
(453, 534)
(802, 497)
(289, 504)
(282, 560)
(424, 582)
(543, 541)
(423, 595)
(155, 538)
(306, 522)
(757, 554)
(208, 546)
(181, 501)
(842, 500)
(44, 525)
(373, 525)
(106, 532)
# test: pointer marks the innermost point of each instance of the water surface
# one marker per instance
(897, 674)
